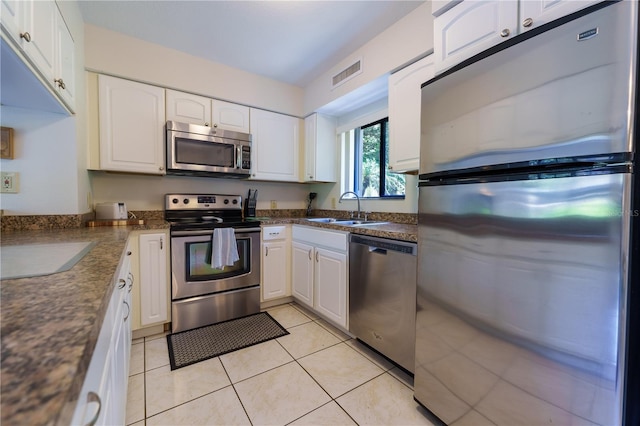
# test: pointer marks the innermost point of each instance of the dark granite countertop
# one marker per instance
(396, 231)
(50, 324)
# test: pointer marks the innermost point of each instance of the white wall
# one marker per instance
(142, 192)
(50, 149)
(117, 54)
(403, 42)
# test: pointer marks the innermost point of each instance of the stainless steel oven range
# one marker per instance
(202, 294)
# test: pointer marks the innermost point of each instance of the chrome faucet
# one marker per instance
(357, 198)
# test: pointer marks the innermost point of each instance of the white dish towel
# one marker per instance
(224, 251)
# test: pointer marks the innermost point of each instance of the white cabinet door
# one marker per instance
(103, 395)
(12, 18)
(275, 146)
(470, 28)
(534, 13)
(228, 116)
(40, 23)
(188, 108)
(321, 149)
(405, 100)
(131, 117)
(154, 287)
(274, 270)
(330, 288)
(65, 73)
(302, 272)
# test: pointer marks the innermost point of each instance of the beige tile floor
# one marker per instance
(316, 375)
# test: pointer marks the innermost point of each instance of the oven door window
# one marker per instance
(206, 153)
(199, 267)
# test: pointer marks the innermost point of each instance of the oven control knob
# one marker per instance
(186, 201)
(226, 201)
(235, 201)
(175, 201)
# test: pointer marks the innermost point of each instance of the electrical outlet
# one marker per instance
(9, 182)
(274, 204)
(333, 203)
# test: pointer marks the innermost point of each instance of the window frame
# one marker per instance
(384, 142)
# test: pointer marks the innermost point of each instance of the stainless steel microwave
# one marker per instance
(207, 151)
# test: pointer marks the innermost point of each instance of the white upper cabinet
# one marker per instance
(188, 108)
(405, 99)
(195, 109)
(470, 27)
(275, 146)
(132, 119)
(321, 149)
(65, 74)
(40, 35)
(229, 116)
(539, 12)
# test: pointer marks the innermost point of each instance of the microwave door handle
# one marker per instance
(238, 157)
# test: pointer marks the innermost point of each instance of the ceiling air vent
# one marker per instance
(346, 74)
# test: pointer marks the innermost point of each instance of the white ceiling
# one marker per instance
(290, 41)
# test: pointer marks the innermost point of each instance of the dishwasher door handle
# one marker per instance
(378, 250)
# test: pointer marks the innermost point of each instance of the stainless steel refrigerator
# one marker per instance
(527, 307)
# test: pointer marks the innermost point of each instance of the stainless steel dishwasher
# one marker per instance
(382, 296)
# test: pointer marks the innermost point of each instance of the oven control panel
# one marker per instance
(202, 201)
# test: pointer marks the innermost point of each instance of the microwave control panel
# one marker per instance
(246, 157)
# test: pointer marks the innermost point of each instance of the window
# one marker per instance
(370, 176)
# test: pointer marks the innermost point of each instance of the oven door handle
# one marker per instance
(210, 232)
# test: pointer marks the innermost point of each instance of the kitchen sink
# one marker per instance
(322, 219)
(357, 222)
(345, 222)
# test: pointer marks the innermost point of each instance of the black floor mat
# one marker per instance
(191, 346)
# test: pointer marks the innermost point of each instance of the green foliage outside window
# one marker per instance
(374, 142)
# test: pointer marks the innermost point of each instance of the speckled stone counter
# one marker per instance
(50, 324)
(396, 231)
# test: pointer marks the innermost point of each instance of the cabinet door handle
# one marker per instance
(26, 36)
(316, 257)
(131, 280)
(161, 243)
(60, 83)
(505, 32)
(128, 311)
(121, 283)
(309, 254)
(266, 251)
(527, 22)
(94, 397)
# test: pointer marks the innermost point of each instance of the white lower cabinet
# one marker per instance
(320, 271)
(103, 397)
(302, 272)
(330, 285)
(275, 262)
(152, 298)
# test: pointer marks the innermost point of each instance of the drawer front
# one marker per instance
(274, 233)
(335, 240)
